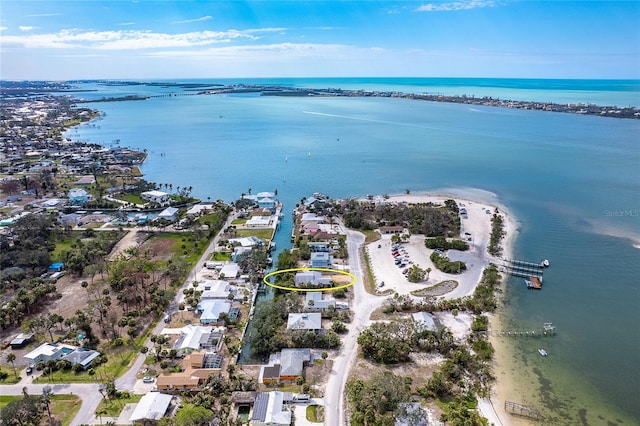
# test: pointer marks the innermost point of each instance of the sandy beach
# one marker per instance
(476, 227)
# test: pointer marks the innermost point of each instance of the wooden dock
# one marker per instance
(524, 269)
(548, 329)
(521, 410)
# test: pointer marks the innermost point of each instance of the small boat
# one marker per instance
(544, 263)
(533, 283)
(542, 352)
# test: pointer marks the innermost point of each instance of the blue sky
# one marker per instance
(84, 39)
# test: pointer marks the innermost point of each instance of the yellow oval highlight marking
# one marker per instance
(335, 271)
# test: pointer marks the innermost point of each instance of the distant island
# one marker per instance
(10, 89)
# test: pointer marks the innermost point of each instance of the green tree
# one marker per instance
(192, 415)
(11, 357)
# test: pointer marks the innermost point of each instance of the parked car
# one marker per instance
(148, 379)
(29, 370)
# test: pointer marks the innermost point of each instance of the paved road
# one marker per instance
(89, 394)
(365, 303)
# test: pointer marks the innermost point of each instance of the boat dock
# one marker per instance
(548, 329)
(532, 272)
(521, 410)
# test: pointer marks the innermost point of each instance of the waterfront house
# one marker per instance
(230, 271)
(250, 241)
(259, 222)
(155, 196)
(170, 214)
(218, 289)
(313, 278)
(315, 302)
(321, 260)
(304, 321)
(318, 246)
(210, 311)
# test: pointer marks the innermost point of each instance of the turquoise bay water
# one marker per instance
(572, 182)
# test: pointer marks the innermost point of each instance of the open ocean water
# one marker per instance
(573, 183)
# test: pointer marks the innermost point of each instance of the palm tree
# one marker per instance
(428, 271)
(11, 357)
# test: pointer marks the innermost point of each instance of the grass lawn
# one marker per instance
(238, 221)
(64, 245)
(220, 256)
(131, 198)
(12, 379)
(312, 413)
(63, 407)
(265, 234)
(117, 364)
(5, 399)
(370, 236)
(113, 408)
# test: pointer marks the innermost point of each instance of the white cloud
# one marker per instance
(3, 28)
(44, 14)
(455, 6)
(25, 28)
(131, 39)
(188, 21)
(123, 24)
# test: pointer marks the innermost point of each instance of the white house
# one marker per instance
(304, 321)
(155, 196)
(211, 309)
(196, 337)
(259, 222)
(230, 271)
(217, 289)
(170, 214)
(47, 351)
(269, 410)
(152, 406)
(315, 302)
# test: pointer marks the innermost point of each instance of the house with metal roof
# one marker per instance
(424, 319)
(81, 356)
(314, 302)
(155, 196)
(321, 260)
(313, 278)
(304, 321)
(211, 309)
(292, 363)
(152, 407)
(269, 410)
